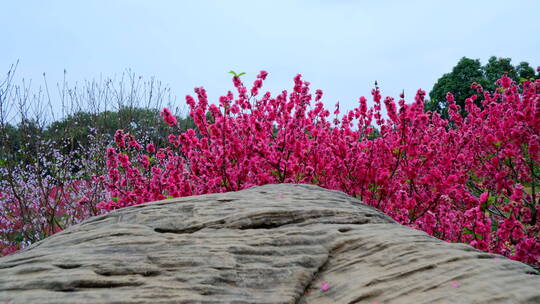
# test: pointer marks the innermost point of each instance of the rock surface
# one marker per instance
(268, 244)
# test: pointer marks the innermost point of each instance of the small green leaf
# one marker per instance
(484, 206)
(467, 231)
(494, 225)
(114, 199)
(490, 201)
(170, 196)
(274, 173)
(236, 75)
(18, 238)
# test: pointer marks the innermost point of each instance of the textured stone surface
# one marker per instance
(269, 244)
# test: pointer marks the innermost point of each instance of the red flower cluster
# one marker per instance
(472, 180)
(168, 117)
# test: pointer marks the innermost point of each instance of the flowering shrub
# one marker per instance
(471, 180)
(48, 195)
(51, 172)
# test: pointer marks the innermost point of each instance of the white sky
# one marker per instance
(340, 46)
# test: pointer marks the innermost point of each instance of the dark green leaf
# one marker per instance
(18, 238)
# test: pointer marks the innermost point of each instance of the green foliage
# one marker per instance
(20, 140)
(467, 71)
(20, 144)
(458, 82)
(237, 75)
(374, 134)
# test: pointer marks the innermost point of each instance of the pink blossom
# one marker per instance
(168, 117)
(262, 75)
(421, 169)
(484, 197)
(455, 284)
(318, 94)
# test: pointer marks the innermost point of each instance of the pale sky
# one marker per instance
(340, 46)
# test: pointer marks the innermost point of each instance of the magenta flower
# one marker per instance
(262, 75)
(455, 284)
(318, 94)
(409, 164)
(484, 197)
(168, 117)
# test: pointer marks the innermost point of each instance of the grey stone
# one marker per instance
(268, 244)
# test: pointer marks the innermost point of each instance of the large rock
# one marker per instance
(269, 244)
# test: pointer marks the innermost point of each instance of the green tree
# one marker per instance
(525, 71)
(458, 82)
(495, 68)
(144, 124)
(467, 71)
(20, 144)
